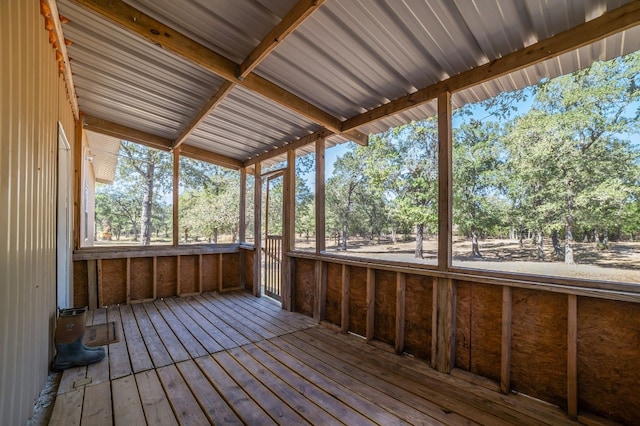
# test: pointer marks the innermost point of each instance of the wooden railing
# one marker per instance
(107, 275)
(571, 345)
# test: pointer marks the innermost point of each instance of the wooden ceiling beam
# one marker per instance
(610, 23)
(119, 131)
(210, 157)
(162, 35)
(301, 11)
(215, 100)
(298, 143)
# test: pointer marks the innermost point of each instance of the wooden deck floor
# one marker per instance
(237, 359)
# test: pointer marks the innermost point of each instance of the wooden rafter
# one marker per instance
(608, 24)
(301, 11)
(162, 35)
(127, 133)
(299, 143)
(204, 112)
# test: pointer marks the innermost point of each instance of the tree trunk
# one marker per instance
(475, 248)
(344, 236)
(419, 253)
(394, 237)
(568, 243)
(215, 236)
(539, 240)
(145, 217)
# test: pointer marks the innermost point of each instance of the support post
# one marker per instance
(445, 177)
(242, 224)
(445, 325)
(371, 303)
(505, 361)
(401, 281)
(289, 231)
(572, 357)
(344, 307)
(320, 196)
(176, 186)
(257, 226)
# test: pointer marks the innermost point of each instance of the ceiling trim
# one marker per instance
(164, 36)
(215, 100)
(610, 23)
(296, 16)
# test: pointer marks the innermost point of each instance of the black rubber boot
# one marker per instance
(70, 350)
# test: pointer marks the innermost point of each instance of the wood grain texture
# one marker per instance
(141, 277)
(189, 274)
(209, 272)
(80, 283)
(486, 331)
(608, 361)
(358, 301)
(248, 267)
(167, 276)
(230, 268)
(334, 294)
(539, 345)
(114, 281)
(305, 286)
(418, 310)
(463, 325)
(385, 307)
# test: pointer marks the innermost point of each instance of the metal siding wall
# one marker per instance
(33, 99)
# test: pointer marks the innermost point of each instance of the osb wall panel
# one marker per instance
(358, 301)
(167, 275)
(189, 274)
(385, 307)
(463, 325)
(539, 345)
(486, 330)
(230, 270)
(418, 310)
(209, 272)
(609, 359)
(333, 304)
(141, 278)
(113, 282)
(80, 283)
(304, 286)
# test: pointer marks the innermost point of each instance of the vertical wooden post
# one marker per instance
(92, 283)
(445, 177)
(320, 291)
(257, 227)
(176, 186)
(446, 314)
(344, 307)
(401, 281)
(155, 277)
(320, 196)
(371, 303)
(572, 357)
(100, 292)
(220, 275)
(77, 182)
(178, 276)
(289, 230)
(434, 321)
(128, 285)
(200, 273)
(505, 360)
(242, 224)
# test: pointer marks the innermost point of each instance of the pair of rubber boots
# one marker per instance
(70, 349)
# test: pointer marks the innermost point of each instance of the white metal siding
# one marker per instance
(33, 99)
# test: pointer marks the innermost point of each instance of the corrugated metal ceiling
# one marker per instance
(348, 57)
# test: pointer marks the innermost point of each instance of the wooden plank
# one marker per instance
(127, 407)
(320, 195)
(196, 153)
(227, 336)
(257, 226)
(291, 320)
(184, 404)
(155, 277)
(505, 363)
(278, 324)
(596, 29)
(344, 312)
(353, 408)
(178, 275)
(100, 125)
(371, 299)
(445, 181)
(208, 342)
(138, 354)
(119, 364)
(445, 336)
(242, 404)
(175, 231)
(288, 231)
(299, 402)
(242, 225)
(158, 352)
(270, 403)
(220, 279)
(319, 291)
(68, 408)
(572, 356)
(264, 328)
(128, 281)
(184, 335)
(97, 405)
(155, 405)
(400, 311)
(99, 372)
(100, 287)
(92, 283)
(200, 278)
(213, 404)
(434, 324)
(249, 329)
(171, 342)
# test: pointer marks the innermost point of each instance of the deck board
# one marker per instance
(233, 358)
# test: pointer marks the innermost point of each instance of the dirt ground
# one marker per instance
(620, 262)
